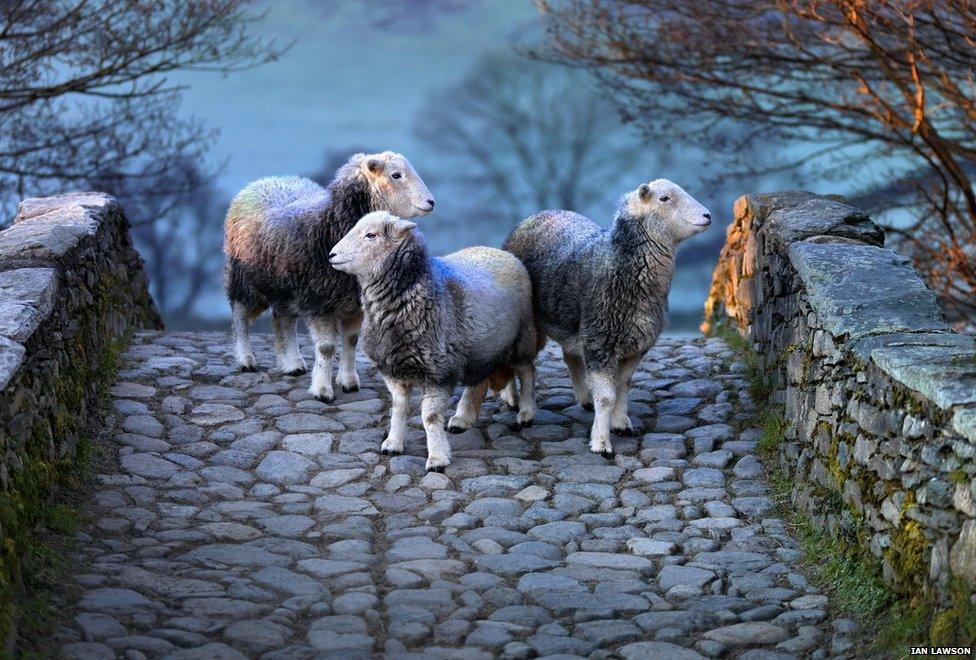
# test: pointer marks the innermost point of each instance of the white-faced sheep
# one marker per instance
(278, 235)
(435, 322)
(602, 294)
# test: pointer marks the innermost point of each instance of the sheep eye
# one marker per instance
(371, 235)
(396, 175)
(665, 198)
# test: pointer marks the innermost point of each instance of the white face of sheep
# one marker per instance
(396, 185)
(363, 251)
(667, 208)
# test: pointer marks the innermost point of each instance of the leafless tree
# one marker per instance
(83, 90)
(521, 136)
(882, 82)
(177, 222)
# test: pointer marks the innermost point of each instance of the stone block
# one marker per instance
(822, 218)
(944, 375)
(858, 291)
(11, 357)
(27, 296)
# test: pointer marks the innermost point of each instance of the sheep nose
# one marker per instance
(332, 255)
(431, 202)
(708, 216)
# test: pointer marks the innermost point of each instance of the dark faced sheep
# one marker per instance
(603, 294)
(435, 322)
(278, 235)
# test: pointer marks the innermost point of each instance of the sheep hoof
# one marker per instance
(249, 368)
(436, 468)
(455, 429)
(390, 452)
(324, 399)
(625, 431)
(523, 425)
(350, 388)
(606, 453)
(296, 372)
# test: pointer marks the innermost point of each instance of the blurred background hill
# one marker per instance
(474, 93)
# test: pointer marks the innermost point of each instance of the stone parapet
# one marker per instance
(71, 289)
(878, 392)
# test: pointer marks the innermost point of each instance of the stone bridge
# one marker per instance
(231, 515)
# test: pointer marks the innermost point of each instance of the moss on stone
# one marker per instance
(33, 506)
(892, 615)
(959, 477)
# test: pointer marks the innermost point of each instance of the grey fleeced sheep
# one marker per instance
(603, 294)
(435, 322)
(278, 235)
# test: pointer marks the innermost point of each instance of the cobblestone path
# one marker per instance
(241, 518)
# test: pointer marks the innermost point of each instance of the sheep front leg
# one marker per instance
(324, 334)
(347, 378)
(432, 408)
(241, 332)
(526, 409)
(399, 413)
(574, 363)
(468, 408)
(604, 394)
(619, 421)
(286, 344)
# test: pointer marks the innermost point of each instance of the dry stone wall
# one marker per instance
(71, 287)
(879, 393)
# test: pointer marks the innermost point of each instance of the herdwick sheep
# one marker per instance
(435, 322)
(602, 294)
(278, 235)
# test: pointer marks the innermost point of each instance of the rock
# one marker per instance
(672, 575)
(703, 478)
(962, 557)
(749, 633)
(561, 531)
(307, 423)
(284, 467)
(532, 494)
(116, 600)
(641, 650)
(655, 475)
(257, 635)
(650, 547)
(609, 560)
(310, 444)
(211, 414)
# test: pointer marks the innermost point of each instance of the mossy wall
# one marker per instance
(68, 268)
(875, 390)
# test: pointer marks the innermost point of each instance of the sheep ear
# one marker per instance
(644, 192)
(374, 165)
(400, 227)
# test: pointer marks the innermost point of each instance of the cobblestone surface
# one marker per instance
(243, 519)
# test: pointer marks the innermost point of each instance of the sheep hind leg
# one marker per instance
(526, 408)
(399, 413)
(468, 408)
(347, 378)
(577, 373)
(290, 359)
(509, 395)
(619, 421)
(241, 332)
(432, 407)
(604, 394)
(324, 334)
